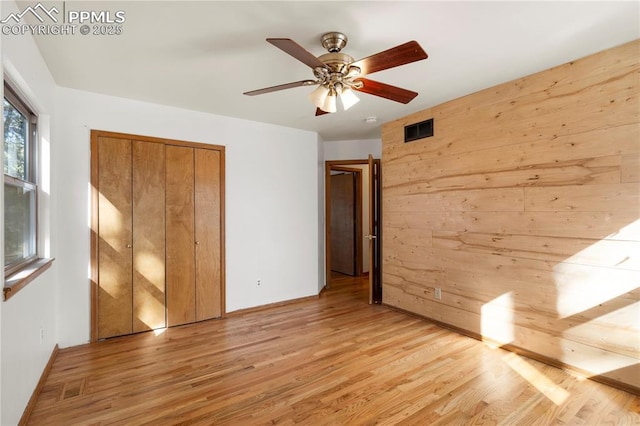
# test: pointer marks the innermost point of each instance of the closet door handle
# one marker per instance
(197, 242)
(129, 246)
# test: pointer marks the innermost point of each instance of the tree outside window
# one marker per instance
(20, 189)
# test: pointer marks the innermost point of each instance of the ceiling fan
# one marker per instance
(337, 75)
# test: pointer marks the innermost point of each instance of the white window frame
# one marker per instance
(18, 274)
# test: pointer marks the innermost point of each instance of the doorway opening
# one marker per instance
(352, 222)
(346, 220)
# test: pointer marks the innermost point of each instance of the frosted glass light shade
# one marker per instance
(319, 96)
(348, 98)
(329, 103)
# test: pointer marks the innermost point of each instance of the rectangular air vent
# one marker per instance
(413, 132)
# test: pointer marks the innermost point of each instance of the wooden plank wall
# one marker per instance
(524, 210)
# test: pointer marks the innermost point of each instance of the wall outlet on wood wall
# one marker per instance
(438, 294)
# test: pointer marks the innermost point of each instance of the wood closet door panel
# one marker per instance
(208, 234)
(180, 259)
(148, 236)
(114, 237)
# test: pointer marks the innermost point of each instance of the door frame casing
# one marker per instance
(358, 234)
(375, 230)
(329, 166)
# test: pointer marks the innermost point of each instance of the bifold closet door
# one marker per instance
(148, 236)
(208, 234)
(180, 259)
(157, 240)
(194, 240)
(131, 227)
(114, 237)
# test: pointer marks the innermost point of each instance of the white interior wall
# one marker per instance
(271, 199)
(352, 149)
(23, 354)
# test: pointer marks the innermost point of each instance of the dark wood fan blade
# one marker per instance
(320, 112)
(280, 87)
(386, 91)
(294, 49)
(394, 57)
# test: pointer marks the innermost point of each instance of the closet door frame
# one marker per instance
(95, 190)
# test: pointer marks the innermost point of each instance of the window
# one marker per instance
(20, 193)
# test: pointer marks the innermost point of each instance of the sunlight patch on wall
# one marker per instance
(598, 361)
(110, 218)
(581, 286)
(90, 189)
(45, 166)
(109, 283)
(150, 267)
(497, 319)
(152, 313)
(600, 305)
(610, 254)
(45, 188)
(542, 383)
(619, 328)
(631, 232)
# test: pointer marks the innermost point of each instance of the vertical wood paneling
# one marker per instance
(180, 260)
(148, 236)
(524, 209)
(208, 274)
(114, 237)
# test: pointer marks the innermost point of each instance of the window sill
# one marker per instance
(19, 279)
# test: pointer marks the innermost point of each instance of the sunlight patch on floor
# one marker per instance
(546, 386)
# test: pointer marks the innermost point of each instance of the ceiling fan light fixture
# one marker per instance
(353, 72)
(348, 98)
(319, 95)
(330, 103)
(337, 75)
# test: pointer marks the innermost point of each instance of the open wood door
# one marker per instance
(374, 237)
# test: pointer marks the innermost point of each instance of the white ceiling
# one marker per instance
(202, 55)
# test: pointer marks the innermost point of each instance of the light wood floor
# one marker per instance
(330, 361)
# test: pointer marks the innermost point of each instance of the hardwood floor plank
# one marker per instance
(326, 361)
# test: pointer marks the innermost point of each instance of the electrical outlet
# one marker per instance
(438, 294)
(259, 283)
